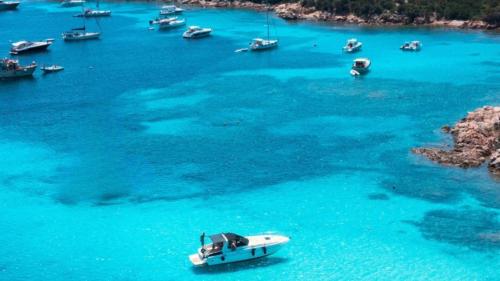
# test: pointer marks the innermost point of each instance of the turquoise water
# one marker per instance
(112, 168)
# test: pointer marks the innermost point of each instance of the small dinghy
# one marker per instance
(352, 45)
(230, 247)
(360, 66)
(52, 68)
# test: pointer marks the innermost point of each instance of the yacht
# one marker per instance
(78, 34)
(72, 3)
(10, 68)
(411, 46)
(360, 66)
(171, 23)
(352, 46)
(52, 68)
(8, 5)
(170, 10)
(230, 247)
(93, 13)
(89, 13)
(162, 21)
(196, 32)
(28, 46)
(259, 44)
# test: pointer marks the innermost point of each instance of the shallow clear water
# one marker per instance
(111, 169)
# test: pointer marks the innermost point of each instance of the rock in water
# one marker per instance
(476, 139)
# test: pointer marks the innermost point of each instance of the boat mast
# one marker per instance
(267, 19)
(97, 4)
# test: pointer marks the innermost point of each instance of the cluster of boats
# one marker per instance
(169, 20)
(11, 68)
(362, 65)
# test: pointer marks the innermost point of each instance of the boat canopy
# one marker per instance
(20, 43)
(229, 238)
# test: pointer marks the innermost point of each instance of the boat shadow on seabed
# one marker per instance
(239, 266)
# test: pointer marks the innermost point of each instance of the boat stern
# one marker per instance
(197, 260)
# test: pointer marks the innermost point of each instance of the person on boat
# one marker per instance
(202, 239)
(233, 245)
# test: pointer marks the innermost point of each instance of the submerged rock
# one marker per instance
(476, 139)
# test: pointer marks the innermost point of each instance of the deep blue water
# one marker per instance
(111, 169)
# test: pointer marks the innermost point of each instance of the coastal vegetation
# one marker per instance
(486, 10)
(483, 14)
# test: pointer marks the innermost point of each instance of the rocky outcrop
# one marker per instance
(494, 165)
(476, 140)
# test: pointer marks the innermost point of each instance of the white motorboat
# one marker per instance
(78, 34)
(167, 10)
(411, 46)
(229, 247)
(8, 5)
(352, 45)
(29, 46)
(52, 68)
(89, 13)
(360, 66)
(196, 32)
(259, 44)
(171, 23)
(10, 68)
(93, 13)
(72, 3)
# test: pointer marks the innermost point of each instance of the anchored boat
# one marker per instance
(171, 23)
(80, 33)
(8, 5)
(10, 68)
(168, 10)
(52, 68)
(360, 66)
(196, 32)
(411, 46)
(230, 247)
(29, 46)
(259, 44)
(72, 3)
(352, 46)
(91, 13)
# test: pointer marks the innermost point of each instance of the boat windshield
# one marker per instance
(237, 239)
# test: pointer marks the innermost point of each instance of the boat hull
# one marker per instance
(91, 36)
(95, 14)
(72, 4)
(196, 35)
(18, 73)
(42, 47)
(8, 6)
(263, 47)
(353, 49)
(171, 25)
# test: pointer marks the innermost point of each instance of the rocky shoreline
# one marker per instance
(476, 140)
(295, 11)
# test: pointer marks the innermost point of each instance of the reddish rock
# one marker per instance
(476, 139)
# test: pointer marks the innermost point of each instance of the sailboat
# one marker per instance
(80, 33)
(259, 44)
(90, 13)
